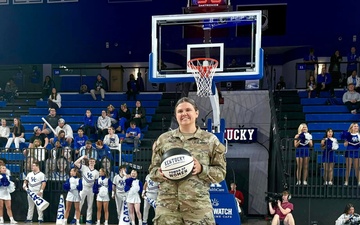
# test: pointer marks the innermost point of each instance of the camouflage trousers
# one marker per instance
(175, 212)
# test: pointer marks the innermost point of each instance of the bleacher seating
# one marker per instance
(321, 114)
(2, 104)
(74, 107)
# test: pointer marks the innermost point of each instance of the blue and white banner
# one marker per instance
(225, 208)
(242, 135)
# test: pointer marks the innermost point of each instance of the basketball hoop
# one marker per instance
(203, 70)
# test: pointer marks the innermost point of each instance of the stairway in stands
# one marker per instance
(289, 112)
(19, 106)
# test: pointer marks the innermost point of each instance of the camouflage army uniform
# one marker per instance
(188, 201)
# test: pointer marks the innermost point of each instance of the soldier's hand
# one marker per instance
(161, 173)
(197, 167)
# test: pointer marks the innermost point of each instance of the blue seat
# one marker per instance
(110, 97)
(99, 104)
(14, 168)
(2, 104)
(317, 136)
(12, 156)
(77, 111)
(317, 101)
(325, 108)
(336, 126)
(332, 117)
(323, 94)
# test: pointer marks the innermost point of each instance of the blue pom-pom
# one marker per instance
(329, 143)
(345, 135)
(302, 137)
(66, 186)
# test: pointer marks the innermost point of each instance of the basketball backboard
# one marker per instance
(178, 38)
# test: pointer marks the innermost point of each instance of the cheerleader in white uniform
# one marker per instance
(73, 185)
(133, 187)
(118, 189)
(5, 189)
(102, 187)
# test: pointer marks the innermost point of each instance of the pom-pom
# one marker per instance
(66, 186)
(345, 135)
(80, 186)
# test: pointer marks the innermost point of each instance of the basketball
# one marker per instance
(177, 164)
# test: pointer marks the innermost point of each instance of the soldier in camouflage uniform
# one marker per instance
(188, 201)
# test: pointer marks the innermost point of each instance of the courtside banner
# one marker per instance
(225, 208)
(242, 135)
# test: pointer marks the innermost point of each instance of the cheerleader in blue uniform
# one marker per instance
(329, 144)
(73, 185)
(352, 144)
(6, 187)
(303, 141)
(102, 187)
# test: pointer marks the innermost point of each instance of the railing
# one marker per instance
(56, 163)
(316, 186)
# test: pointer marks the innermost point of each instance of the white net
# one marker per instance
(203, 70)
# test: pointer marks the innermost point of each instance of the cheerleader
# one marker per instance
(329, 144)
(73, 185)
(303, 141)
(5, 189)
(118, 189)
(133, 187)
(352, 143)
(102, 187)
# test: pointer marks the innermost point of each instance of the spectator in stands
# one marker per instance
(48, 85)
(106, 164)
(18, 132)
(140, 82)
(334, 68)
(27, 164)
(111, 139)
(283, 210)
(10, 90)
(103, 124)
(351, 99)
(139, 115)
(100, 87)
(302, 142)
(52, 119)
(133, 135)
(4, 133)
(310, 61)
(89, 124)
(88, 150)
(69, 136)
(324, 83)
(54, 100)
(352, 143)
(57, 151)
(62, 170)
(352, 61)
(239, 197)
(354, 79)
(60, 138)
(68, 155)
(124, 117)
(79, 141)
(281, 84)
(113, 114)
(50, 168)
(39, 135)
(132, 88)
(349, 216)
(102, 150)
(329, 144)
(37, 151)
(233, 63)
(311, 85)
